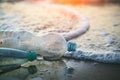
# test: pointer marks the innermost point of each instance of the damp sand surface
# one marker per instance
(89, 70)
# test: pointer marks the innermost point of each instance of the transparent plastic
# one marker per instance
(48, 45)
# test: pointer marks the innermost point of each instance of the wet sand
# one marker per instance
(70, 70)
(89, 70)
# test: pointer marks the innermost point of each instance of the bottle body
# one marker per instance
(48, 45)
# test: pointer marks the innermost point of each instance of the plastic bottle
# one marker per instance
(15, 56)
(51, 45)
(15, 53)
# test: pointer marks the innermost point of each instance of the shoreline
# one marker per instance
(91, 70)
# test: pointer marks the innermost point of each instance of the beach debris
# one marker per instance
(51, 45)
(71, 46)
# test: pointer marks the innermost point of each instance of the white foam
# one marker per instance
(105, 57)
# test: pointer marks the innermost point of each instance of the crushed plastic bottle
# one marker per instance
(51, 45)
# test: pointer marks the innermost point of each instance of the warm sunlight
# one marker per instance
(73, 2)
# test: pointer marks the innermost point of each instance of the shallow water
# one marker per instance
(89, 70)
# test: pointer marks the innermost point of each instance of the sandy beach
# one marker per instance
(103, 36)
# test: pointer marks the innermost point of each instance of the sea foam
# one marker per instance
(105, 57)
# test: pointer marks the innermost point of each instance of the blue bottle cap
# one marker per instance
(31, 56)
(71, 46)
